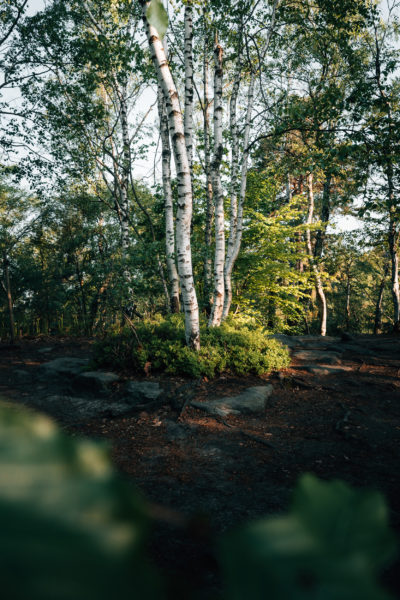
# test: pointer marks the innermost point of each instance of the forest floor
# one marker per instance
(341, 424)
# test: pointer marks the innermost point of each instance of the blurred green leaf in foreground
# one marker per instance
(71, 530)
(331, 546)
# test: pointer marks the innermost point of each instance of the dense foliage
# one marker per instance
(239, 346)
(290, 122)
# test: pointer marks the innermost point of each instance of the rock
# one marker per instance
(45, 350)
(175, 432)
(318, 356)
(77, 409)
(142, 392)
(252, 400)
(21, 376)
(323, 370)
(286, 340)
(353, 348)
(65, 366)
(95, 381)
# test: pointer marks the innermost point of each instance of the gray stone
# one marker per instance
(142, 392)
(45, 350)
(252, 400)
(175, 432)
(286, 340)
(65, 366)
(353, 348)
(21, 376)
(318, 356)
(75, 409)
(97, 381)
(323, 370)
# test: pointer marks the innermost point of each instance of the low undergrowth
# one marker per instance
(238, 346)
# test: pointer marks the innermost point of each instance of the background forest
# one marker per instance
(245, 163)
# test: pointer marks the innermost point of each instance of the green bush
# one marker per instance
(238, 346)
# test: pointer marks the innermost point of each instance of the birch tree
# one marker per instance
(185, 194)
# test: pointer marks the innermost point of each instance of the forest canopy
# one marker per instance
(215, 159)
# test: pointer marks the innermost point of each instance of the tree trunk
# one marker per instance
(168, 205)
(185, 198)
(348, 312)
(393, 248)
(10, 306)
(317, 277)
(208, 189)
(234, 250)
(379, 301)
(219, 258)
(189, 86)
(325, 214)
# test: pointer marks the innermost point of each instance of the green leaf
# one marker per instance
(70, 529)
(157, 17)
(328, 548)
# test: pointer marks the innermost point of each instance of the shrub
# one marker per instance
(238, 346)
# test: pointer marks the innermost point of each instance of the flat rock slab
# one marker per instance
(96, 381)
(76, 409)
(141, 392)
(323, 370)
(318, 356)
(252, 400)
(353, 348)
(65, 366)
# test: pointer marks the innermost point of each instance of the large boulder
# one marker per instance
(252, 400)
(318, 356)
(142, 392)
(66, 366)
(95, 381)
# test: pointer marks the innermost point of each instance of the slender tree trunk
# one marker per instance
(168, 205)
(219, 259)
(325, 214)
(348, 311)
(124, 179)
(189, 85)
(379, 302)
(208, 189)
(234, 250)
(234, 191)
(185, 198)
(10, 306)
(393, 248)
(317, 277)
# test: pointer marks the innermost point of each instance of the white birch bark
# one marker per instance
(317, 277)
(189, 85)
(207, 168)
(185, 199)
(236, 231)
(168, 204)
(219, 259)
(233, 251)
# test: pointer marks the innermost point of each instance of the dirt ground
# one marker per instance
(204, 475)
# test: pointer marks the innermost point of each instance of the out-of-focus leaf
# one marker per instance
(328, 548)
(70, 530)
(157, 17)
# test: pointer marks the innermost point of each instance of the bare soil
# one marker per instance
(204, 475)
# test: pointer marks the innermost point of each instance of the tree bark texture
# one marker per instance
(208, 188)
(185, 198)
(219, 258)
(168, 205)
(189, 84)
(314, 266)
(379, 302)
